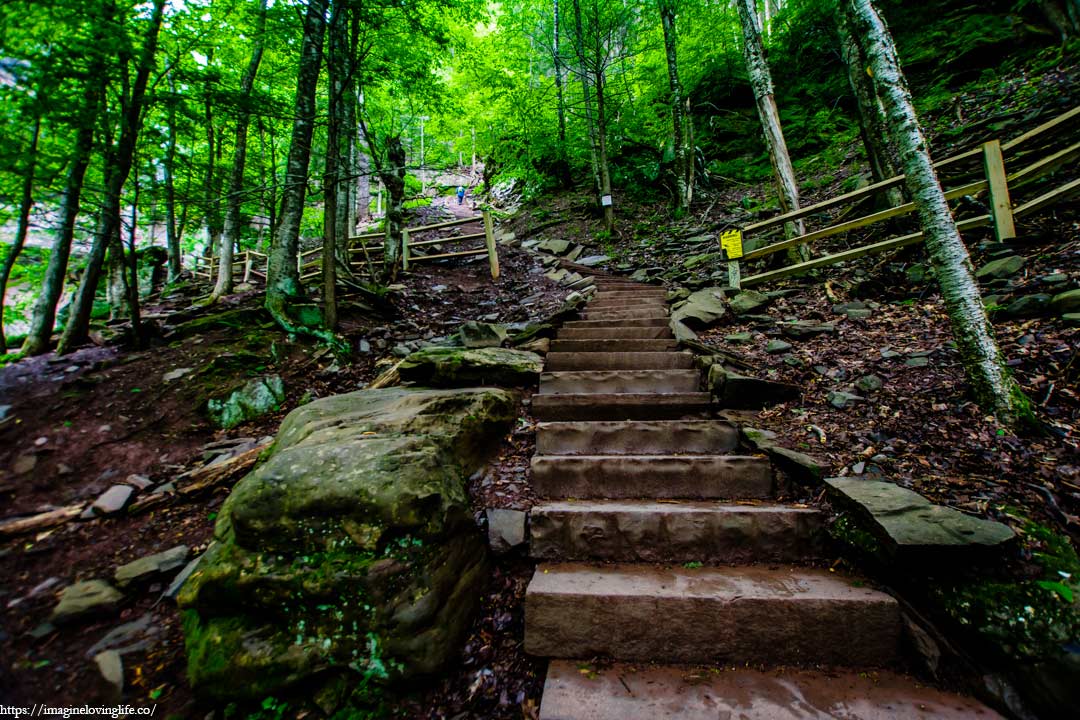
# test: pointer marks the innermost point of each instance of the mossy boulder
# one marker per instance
(351, 552)
(256, 398)
(464, 367)
(702, 309)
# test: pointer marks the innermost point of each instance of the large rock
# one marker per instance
(256, 398)
(481, 335)
(911, 528)
(1066, 302)
(749, 301)
(88, 598)
(351, 551)
(464, 367)
(733, 390)
(1001, 268)
(152, 565)
(702, 309)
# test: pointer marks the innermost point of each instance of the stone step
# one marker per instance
(616, 333)
(627, 302)
(674, 532)
(644, 313)
(609, 345)
(729, 615)
(629, 322)
(556, 361)
(629, 692)
(691, 477)
(621, 406)
(643, 437)
(620, 381)
(618, 294)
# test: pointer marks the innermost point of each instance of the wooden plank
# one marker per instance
(361, 249)
(41, 521)
(854, 253)
(1000, 204)
(734, 274)
(451, 223)
(805, 212)
(463, 253)
(489, 241)
(1045, 166)
(445, 240)
(1045, 127)
(1046, 199)
(858, 222)
(366, 236)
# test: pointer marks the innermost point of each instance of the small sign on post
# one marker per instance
(605, 201)
(731, 245)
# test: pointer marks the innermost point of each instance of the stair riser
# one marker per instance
(646, 313)
(610, 346)
(672, 534)
(720, 477)
(635, 438)
(783, 631)
(630, 303)
(623, 323)
(558, 361)
(626, 381)
(621, 406)
(622, 294)
(616, 333)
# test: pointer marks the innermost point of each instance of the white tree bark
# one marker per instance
(683, 158)
(761, 82)
(993, 387)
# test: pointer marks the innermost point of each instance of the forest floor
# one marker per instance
(72, 426)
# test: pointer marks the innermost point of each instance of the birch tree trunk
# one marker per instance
(172, 240)
(602, 159)
(993, 387)
(337, 39)
(683, 188)
(233, 225)
(282, 276)
(393, 179)
(590, 125)
(563, 167)
(118, 168)
(762, 85)
(22, 227)
(872, 124)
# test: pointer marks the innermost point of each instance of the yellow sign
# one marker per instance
(731, 242)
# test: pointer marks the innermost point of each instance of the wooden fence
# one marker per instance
(250, 264)
(990, 176)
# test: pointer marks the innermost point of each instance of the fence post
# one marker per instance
(247, 266)
(1000, 204)
(489, 240)
(731, 245)
(405, 248)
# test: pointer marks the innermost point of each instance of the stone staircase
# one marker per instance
(648, 532)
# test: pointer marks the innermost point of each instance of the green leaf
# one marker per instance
(1061, 589)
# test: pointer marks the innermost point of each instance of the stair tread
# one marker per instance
(668, 507)
(665, 692)
(748, 583)
(637, 437)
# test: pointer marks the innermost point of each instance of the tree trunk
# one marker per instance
(43, 314)
(119, 166)
(761, 82)
(131, 278)
(22, 227)
(269, 182)
(602, 159)
(283, 279)
(393, 178)
(683, 189)
(562, 169)
(231, 235)
(993, 387)
(872, 125)
(212, 183)
(172, 240)
(336, 71)
(590, 125)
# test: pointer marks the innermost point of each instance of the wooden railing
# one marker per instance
(994, 180)
(309, 262)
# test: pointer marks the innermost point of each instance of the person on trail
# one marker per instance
(460, 194)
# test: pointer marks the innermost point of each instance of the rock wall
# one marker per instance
(350, 556)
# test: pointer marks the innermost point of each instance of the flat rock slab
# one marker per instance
(913, 528)
(85, 599)
(673, 532)
(113, 500)
(152, 565)
(628, 692)
(734, 615)
(705, 477)
(506, 529)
